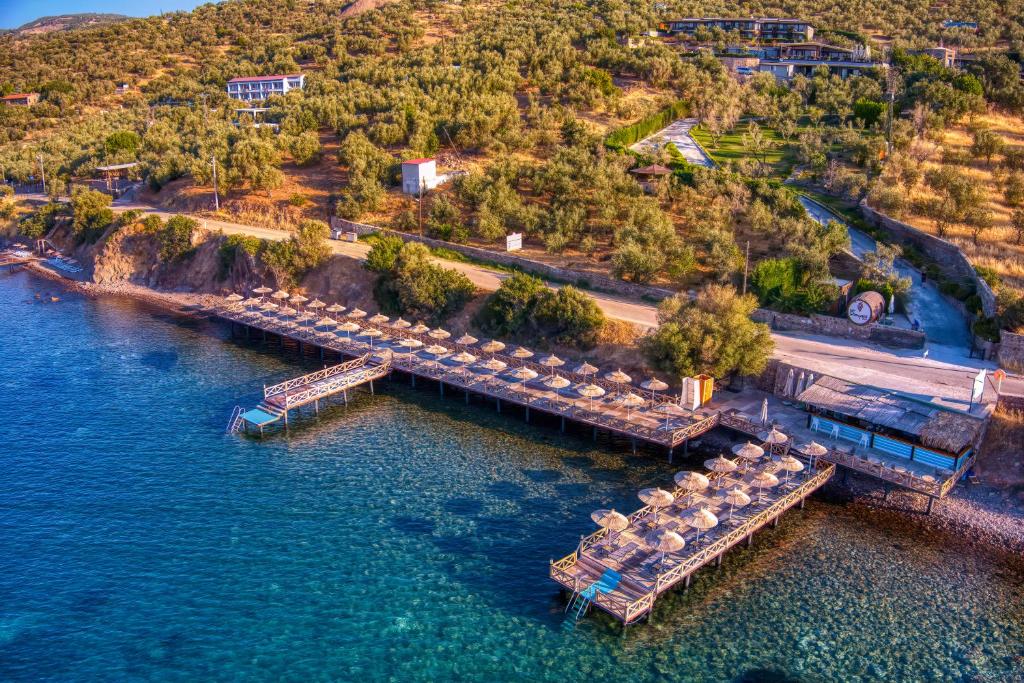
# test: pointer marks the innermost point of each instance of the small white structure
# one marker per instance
(258, 88)
(420, 174)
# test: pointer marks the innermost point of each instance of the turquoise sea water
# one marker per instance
(403, 538)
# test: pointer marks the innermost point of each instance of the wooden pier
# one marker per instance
(641, 574)
(279, 399)
(661, 422)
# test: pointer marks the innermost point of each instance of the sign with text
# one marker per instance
(514, 242)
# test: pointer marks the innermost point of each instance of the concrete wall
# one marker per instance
(841, 327)
(950, 259)
(1011, 351)
(574, 277)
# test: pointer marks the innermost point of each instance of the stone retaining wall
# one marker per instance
(841, 327)
(946, 255)
(543, 270)
(1011, 351)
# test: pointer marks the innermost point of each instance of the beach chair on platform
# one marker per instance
(620, 554)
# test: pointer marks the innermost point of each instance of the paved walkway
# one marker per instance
(942, 321)
(678, 133)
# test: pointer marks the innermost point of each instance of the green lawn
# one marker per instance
(730, 147)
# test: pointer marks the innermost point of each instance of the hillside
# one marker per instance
(517, 100)
(65, 22)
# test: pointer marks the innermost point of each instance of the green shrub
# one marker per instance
(40, 222)
(525, 308)
(176, 237)
(415, 286)
(784, 285)
(989, 275)
(987, 329)
(624, 137)
(90, 214)
(232, 247)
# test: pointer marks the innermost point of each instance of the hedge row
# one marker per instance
(624, 137)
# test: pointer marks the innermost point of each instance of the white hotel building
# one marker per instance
(258, 88)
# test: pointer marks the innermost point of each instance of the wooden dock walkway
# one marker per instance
(279, 399)
(641, 574)
(661, 422)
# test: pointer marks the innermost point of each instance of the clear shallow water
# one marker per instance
(404, 538)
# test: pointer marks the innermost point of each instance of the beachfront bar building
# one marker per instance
(874, 421)
(259, 88)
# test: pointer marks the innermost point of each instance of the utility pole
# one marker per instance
(746, 267)
(216, 198)
(423, 185)
(42, 171)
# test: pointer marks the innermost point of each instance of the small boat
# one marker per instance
(54, 299)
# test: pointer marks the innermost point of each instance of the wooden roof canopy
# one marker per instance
(652, 170)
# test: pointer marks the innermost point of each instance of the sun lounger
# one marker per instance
(622, 553)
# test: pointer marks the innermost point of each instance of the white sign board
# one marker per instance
(979, 386)
(514, 242)
(859, 312)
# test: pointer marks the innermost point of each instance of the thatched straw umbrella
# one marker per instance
(315, 305)
(377, 319)
(652, 385)
(610, 520)
(280, 295)
(233, 298)
(585, 369)
(466, 340)
(401, 324)
(551, 361)
(419, 328)
(436, 350)
(335, 308)
(522, 353)
(493, 365)
(261, 291)
(691, 482)
(438, 333)
(297, 300)
(523, 374)
(813, 451)
(666, 541)
(492, 346)
(656, 498)
(702, 520)
(356, 313)
(763, 480)
(773, 437)
(326, 321)
(463, 358)
(721, 465)
(630, 401)
(556, 382)
(410, 344)
(348, 328)
(618, 377)
(736, 497)
(748, 452)
(590, 391)
(790, 464)
(372, 333)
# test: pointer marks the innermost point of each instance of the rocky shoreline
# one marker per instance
(990, 515)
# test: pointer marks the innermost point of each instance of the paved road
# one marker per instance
(944, 376)
(942, 322)
(678, 133)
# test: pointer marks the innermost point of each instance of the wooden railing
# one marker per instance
(317, 376)
(630, 610)
(410, 362)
